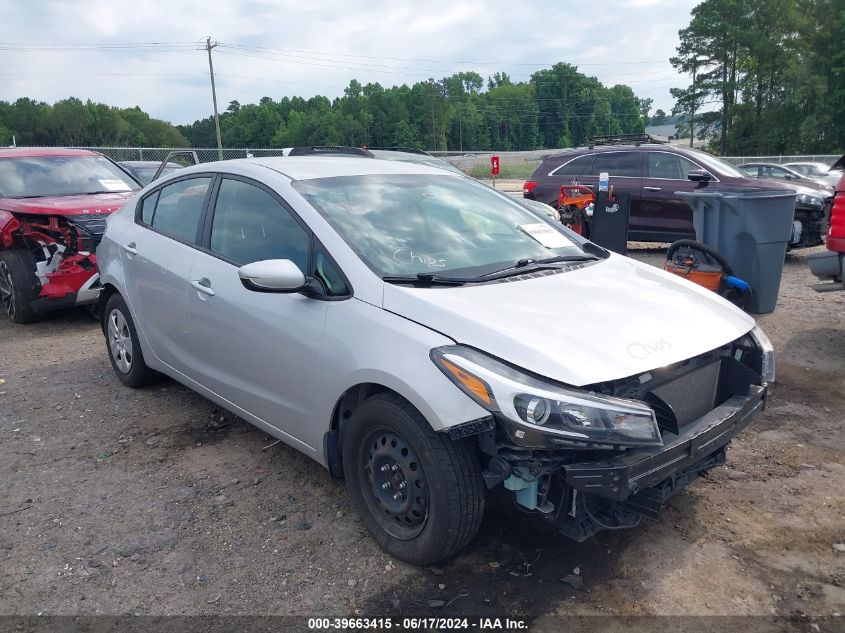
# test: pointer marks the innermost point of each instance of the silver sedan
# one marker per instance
(425, 338)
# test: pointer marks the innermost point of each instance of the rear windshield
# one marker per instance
(41, 176)
(409, 224)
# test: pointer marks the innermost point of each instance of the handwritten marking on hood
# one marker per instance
(641, 351)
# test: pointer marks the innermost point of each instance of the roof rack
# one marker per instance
(330, 149)
(623, 139)
(410, 150)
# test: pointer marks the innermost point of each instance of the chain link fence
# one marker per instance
(205, 154)
(513, 164)
(827, 159)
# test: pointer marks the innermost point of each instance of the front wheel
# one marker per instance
(18, 285)
(419, 493)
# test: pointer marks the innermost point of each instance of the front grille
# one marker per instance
(93, 225)
(687, 398)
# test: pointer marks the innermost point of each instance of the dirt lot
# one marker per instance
(155, 502)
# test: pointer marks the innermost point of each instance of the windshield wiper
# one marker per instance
(531, 265)
(428, 279)
(567, 258)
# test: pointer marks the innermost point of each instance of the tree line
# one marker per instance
(775, 69)
(557, 107)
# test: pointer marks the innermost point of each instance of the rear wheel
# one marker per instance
(123, 345)
(18, 285)
(419, 493)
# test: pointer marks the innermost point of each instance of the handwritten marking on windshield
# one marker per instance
(407, 256)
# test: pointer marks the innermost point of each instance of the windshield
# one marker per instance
(805, 170)
(422, 224)
(421, 159)
(717, 164)
(41, 176)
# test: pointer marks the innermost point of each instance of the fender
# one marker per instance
(9, 225)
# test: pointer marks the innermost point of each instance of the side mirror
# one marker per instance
(699, 175)
(272, 275)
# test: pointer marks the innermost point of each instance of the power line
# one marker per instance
(436, 61)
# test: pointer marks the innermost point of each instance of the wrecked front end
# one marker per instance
(63, 251)
(812, 213)
(607, 455)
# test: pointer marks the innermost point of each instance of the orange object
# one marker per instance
(705, 275)
(575, 197)
(473, 384)
(571, 202)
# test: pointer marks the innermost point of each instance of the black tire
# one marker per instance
(123, 346)
(19, 286)
(446, 474)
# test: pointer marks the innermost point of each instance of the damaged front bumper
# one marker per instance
(584, 490)
(79, 288)
(633, 471)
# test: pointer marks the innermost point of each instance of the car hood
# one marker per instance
(608, 320)
(799, 187)
(67, 205)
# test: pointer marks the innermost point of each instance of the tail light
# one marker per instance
(837, 217)
(528, 187)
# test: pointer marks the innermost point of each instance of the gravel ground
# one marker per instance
(114, 501)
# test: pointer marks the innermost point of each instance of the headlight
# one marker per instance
(767, 355)
(809, 199)
(534, 404)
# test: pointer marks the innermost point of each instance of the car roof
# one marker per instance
(31, 152)
(309, 167)
(616, 148)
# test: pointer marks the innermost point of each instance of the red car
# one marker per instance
(53, 208)
(829, 266)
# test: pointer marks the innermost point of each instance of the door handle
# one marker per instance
(204, 288)
(130, 248)
(653, 188)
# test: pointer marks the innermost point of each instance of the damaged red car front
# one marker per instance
(53, 209)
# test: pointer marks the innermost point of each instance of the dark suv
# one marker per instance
(652, 172)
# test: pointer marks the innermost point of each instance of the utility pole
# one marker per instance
(460, 129)
(208, 47)
(433, 132)
(692, 105)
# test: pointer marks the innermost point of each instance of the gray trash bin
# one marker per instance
(751, 230)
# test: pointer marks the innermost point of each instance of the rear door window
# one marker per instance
(618, 164)
(176, 209)
(775, 172)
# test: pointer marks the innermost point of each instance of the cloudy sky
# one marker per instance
(151, 53)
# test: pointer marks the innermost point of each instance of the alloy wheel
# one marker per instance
(7, 290)
(120, 341)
